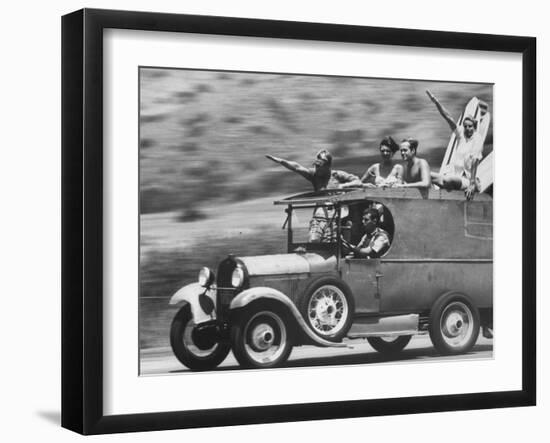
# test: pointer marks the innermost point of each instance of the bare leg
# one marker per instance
(437, 179)
(449, 182)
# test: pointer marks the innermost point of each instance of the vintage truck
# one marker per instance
(436, 278)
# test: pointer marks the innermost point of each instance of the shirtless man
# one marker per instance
(321, 175)
(416, 171)
(460, 174)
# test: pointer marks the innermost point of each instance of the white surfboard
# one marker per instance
(483, 119)
(485, 167)
(485, 172)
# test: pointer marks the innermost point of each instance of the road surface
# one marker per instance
(159, 361)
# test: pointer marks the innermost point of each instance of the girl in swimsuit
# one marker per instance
(387, 172)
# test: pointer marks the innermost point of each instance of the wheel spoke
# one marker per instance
(327, 310)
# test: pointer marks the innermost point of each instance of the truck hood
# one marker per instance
(288, 264)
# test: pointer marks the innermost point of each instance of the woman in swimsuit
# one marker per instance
(385, 173)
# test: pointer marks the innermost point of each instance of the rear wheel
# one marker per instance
(195, 346)
(454, 324)
(260, 337)
(389, 345)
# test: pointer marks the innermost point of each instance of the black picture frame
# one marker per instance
(82, 218)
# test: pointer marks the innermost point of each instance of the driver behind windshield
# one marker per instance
(374, 243)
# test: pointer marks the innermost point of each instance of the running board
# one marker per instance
(385, 326)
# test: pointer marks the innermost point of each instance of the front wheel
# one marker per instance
(328, 306)
(197, 348)
(260, 337)
(389, 345)
(454, 324)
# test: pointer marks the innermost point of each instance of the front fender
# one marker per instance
(253, 294)
(190, 294)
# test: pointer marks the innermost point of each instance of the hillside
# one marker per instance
(204, 134)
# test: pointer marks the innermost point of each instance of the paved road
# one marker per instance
(162, 361)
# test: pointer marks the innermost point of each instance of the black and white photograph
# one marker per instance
(290, 220)
(275, 221)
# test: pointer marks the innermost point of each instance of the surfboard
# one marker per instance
(485, 172)
(485, 168)
(478, 110)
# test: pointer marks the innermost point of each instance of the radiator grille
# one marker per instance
(225, 295)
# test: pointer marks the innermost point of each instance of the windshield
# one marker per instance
(314, 227)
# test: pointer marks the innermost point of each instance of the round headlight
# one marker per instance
(205, 277)
(237, 278)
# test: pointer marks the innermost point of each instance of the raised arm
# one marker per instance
(293, 166)
(444, 113)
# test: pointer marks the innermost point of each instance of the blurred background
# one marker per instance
(206, 188)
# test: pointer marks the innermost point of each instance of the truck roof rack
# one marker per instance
(347, 195)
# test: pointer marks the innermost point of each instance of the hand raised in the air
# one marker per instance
(273, 158)
(432, 97)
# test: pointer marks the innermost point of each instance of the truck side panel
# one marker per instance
(441, 229)
(413, 286)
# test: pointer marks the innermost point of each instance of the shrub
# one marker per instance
(190, 214)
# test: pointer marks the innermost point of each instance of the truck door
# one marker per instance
(363, 277)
